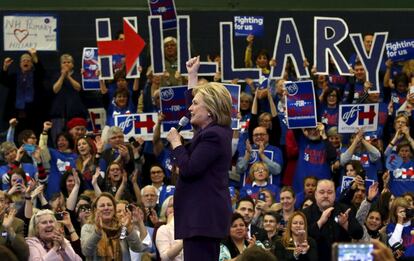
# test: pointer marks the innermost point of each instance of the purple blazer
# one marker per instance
(202, 205)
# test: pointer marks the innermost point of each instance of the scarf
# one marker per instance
(24, 89)
(109, 246)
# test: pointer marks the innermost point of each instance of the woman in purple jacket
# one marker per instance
(202, 205)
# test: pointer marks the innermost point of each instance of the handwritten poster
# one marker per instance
(22, 32)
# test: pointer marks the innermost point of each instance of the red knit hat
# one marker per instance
(76, 122)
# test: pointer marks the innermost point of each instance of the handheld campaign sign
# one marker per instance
(245, 25)
(300, 104)
(400, 50)
(346, 182)
(98, 119)
(234, 90)
(133, 125)
(90, 66)
(173, 106)
(165, 8)
(393, 162)
(355, 116)
(22, 32)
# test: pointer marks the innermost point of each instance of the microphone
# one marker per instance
(181, 124)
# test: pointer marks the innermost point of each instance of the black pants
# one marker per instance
(201, 249)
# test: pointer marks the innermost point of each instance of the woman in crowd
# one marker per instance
(295, 243)
(399, 230)
(157, 176)
(288, 200)
(329, 107)
(168, 247)
(235, 243)
(105, 237)
(45, 241)
(259, 175)
(87, 160)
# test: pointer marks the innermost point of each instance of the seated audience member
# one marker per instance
(168, 247)
(287, 201)
(329, 222)
(158, 179)
(264, 203)
(398, 182)
(370, 218)
(45, 241)
(76, 127)
(270, 220)
(104, 238)
(236, 242)
(399, 230)
(295, 243)
(119, 151)
(12, 230)
(259, 174)
(149, 200)
(261, 151)
(256, 253)
(309, 185)
(245, 207)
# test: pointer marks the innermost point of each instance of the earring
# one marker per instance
(208, 114)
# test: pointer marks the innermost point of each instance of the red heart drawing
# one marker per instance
(21, 34)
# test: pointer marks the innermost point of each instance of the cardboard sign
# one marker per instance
(234, 90)
(134, 125)
(22, 32)
(300, 104)
(356, 116)
(90, 66)
(245, 25)
(346, 182)
(173, 106)
(165, 8)
(98, 119)
(400, 50)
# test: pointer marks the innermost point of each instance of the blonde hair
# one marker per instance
(65, 57)
(163, 211)
(255, 166)
(398, 202)
(34, 221)
(218, 102)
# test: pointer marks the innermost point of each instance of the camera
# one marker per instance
(134, 142)
(262, 196)
(409, 213)
(59, 216)
(130, 207)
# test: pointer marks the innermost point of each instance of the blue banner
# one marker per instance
(90, 66)
(400, 50)
(234, 90)
(173, 106)
(300, 104)
(245, 25)
(165, 8)
(346, 182)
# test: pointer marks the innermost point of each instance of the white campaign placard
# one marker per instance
(355, 116)
(22, 32)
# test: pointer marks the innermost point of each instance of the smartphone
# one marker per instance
(19, 181)
(134, 142)
(301, 236)
(59, 216)
(262, 196)
(29, 148)
(352, 251)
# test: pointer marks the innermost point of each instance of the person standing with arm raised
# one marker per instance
(202, 201)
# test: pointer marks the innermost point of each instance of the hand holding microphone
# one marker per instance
(173, 136)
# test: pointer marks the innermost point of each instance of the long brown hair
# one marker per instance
(287, 235)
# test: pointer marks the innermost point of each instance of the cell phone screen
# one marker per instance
(354, 251)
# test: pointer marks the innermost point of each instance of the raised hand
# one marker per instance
(193, 65)
(6, 63)
(8, 218)
(373, 191)
(13, 122)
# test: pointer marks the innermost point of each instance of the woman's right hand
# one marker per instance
(193, 65)
(96, 176)
(6, 63)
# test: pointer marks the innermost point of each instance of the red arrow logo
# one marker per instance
(149, 124)
(368, 115)
(131, 47)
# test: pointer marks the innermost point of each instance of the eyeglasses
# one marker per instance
(259, 135)
(260, 170)
(157, 172)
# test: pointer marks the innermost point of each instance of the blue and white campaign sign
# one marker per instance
(22, 32)
(234, 90)
(245, 25)
(165, 8)
(90, 66)
(356, 116)
(140, 124)
(346, 182)
(173, 106)
(400, 50)
(98, 120)
(393, 162)
(300, 104)
(254, 157)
